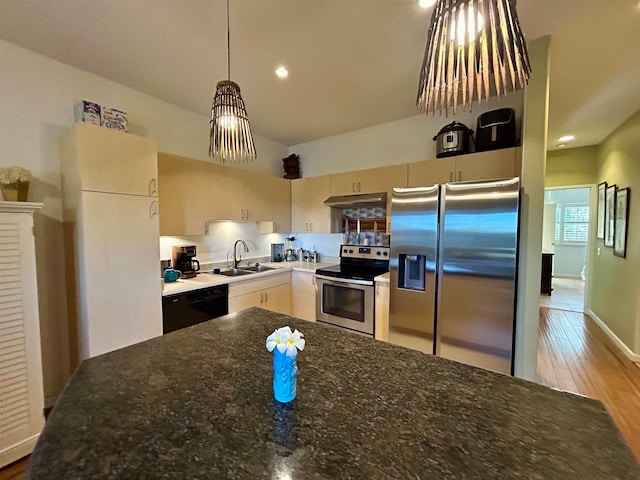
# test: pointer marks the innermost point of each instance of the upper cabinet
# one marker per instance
(371, 180)
(112, 161)
(194, 192)
(308, 211)
(489, 165)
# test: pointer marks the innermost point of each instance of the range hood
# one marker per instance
(358, 201)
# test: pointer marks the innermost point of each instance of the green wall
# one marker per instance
(615, 281)
(572, 166)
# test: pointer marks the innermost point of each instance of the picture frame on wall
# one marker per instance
(609, 215)
(602, 194)
(622, 219)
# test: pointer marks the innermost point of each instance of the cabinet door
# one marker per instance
(486, 165)
(300, 205)
(280, 204)
(21, 390)
(303, 296)
(431, 172)
(319, 214)
(185, 192)
(119, 273)
(257, 194)
(113, 161)
(248, 300)
(343, 183)
(382, 311)
(383, 179)
(278, 299)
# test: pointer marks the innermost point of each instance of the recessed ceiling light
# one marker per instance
(566, 138)
(282, 72)
(426, 3)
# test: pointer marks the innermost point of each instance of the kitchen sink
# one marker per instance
(259, 268)
(235, 272)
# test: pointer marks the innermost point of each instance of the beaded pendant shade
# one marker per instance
(230, 139)
(475, 49)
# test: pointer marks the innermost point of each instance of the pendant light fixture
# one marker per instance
(230, 133)
(475, 49)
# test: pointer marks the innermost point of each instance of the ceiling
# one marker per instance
(352, 63)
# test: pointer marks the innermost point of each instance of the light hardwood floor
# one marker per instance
(15, 471)
(575, 355)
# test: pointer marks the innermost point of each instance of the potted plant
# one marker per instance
(14, 181)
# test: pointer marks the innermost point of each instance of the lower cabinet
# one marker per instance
(271, 293)
(21, 389)
(382, 311)
(303, 300)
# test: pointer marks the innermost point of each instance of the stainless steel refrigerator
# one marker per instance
(453, 270)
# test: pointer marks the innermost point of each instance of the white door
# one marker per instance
(120, 265)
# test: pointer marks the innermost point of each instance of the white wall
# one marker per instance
(403, 141)
(37, 96)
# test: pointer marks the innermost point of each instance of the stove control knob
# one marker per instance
(385, 254)
(345, 250)
(378, 252)
(350, 251)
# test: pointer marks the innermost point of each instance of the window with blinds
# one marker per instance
(572, 223)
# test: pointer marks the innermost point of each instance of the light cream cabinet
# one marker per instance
(110, 161)
(308, 211)
(382, 311)
(372, 180)
(489, 165)
(271, 292)
(21, 387)
(303, 295)
(111, 242)
(194, 192)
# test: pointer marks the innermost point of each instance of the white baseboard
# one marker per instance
(634, 357)
(17, 451)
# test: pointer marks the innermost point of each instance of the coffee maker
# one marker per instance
(183, 259)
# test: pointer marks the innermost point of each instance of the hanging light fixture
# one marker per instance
(475, 49)
(230, 133)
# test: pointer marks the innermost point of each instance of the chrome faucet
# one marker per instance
(236, 260)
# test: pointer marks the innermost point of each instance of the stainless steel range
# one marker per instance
(345, 293)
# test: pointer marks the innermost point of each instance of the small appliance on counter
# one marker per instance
(496, 129)
(452, 139)
(277, 252)
(183, 259)
(290, 252)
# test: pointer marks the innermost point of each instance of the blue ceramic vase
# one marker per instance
(284, 377)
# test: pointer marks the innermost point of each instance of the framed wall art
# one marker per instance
(622, 218)
(602, 194)
(609, 215)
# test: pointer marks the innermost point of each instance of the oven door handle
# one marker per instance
(344, 281)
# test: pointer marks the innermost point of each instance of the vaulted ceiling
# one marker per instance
(352, 63)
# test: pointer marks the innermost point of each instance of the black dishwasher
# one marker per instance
(185, 309)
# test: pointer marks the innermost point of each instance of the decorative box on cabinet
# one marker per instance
(21, 387)
(111, 238)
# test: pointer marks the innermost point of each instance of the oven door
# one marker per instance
(345, 303)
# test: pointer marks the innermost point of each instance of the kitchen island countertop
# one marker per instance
(198, 404)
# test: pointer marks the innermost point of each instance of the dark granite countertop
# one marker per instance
(198, 404)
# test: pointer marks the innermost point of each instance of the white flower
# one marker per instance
(14, 174)
(286, 341)
(278, 339)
